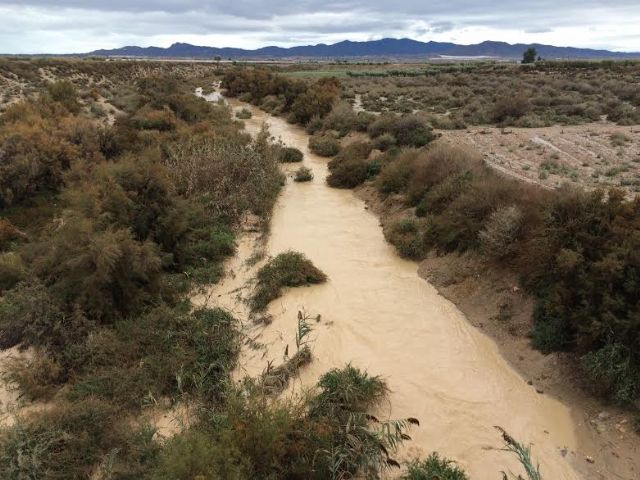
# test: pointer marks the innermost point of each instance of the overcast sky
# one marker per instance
(72, 26)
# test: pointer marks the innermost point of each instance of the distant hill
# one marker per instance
(385, 48)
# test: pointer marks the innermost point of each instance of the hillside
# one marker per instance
(388, 47)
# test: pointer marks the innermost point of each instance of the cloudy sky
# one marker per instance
(65, 26)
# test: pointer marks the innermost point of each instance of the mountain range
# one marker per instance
(384, 48)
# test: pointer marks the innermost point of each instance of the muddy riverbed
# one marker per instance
(378, 314)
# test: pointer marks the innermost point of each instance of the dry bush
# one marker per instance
(499, 236)
(232, 178)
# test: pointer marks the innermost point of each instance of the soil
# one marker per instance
(585, 155)
(493, 302)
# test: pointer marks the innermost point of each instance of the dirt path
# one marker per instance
(377, 313)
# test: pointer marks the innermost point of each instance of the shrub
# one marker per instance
(314, 125)
(509, 108)
(195, 455)
(164, 353)
(289, 269)
(9, 234)
(104, 273)
(244, 114)
(619, 139)
(350, 167)
(347, 390)
(342, 119)
(407, 238)
(303, 174)
(65, 92)
(396, 175)
(408, 130)
(384, 142)
(232, 178)
(70, 441)
(12, 270)
(348, 174)
(498, 238)
(151, 119)
(324, 145)
(29, 315)
(317, 100)
(434, 467)
(613, 374)
(290, 155)
(412, 132)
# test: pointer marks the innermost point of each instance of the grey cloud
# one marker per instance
(287, 22)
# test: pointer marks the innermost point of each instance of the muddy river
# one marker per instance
(379, 315)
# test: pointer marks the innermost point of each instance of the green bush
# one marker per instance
(434, 467)
(12, 270)
(195, 455)
(396, 175)
(290, 155)
(244, 114)
(407, 130)
(613, 374)
(384, 142)
(405, 235)
(68, 442)
(289, 269)
(348, 174)
(324, 145)
(303, 174)
(342, 119)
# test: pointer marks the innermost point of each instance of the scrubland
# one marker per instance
(121, 193)
(573, 248)
(107, 228)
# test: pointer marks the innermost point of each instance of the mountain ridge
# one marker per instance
(386, 47)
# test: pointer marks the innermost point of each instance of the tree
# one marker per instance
(530, 55)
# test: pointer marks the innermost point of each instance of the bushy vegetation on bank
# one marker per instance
(317, 106)
(104, 230)
(576, 251)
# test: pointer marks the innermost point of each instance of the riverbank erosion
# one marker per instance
(378, 314)
(492, 301)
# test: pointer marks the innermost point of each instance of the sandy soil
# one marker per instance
(492, 301)
(586, 155)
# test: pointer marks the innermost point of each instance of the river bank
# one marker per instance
(379, 314)
(492, 301)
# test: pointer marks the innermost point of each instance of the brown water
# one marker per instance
(379, 315)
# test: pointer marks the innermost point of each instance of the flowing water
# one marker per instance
(379, 315)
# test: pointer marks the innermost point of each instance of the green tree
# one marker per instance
(530, 55)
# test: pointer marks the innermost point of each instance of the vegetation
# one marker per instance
(327, 435)
(530, 55)
(244, 114)
(103, 230)
(290, 155)
(434, 467)
(574, 250)
(303, 174)
(324, 145)
(455, 95)
(107, 223)
(289, 269)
